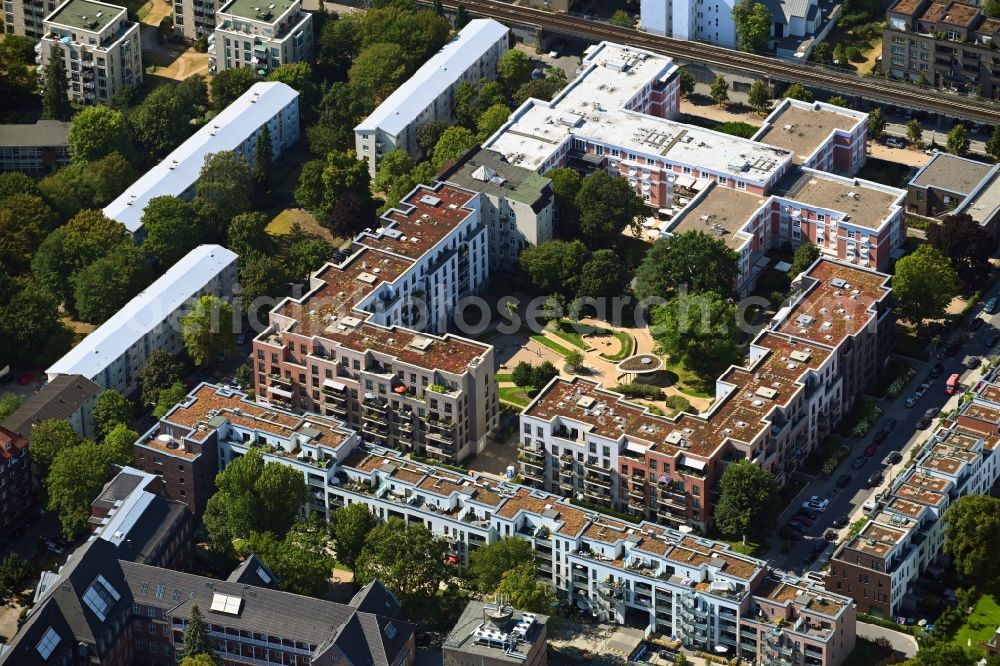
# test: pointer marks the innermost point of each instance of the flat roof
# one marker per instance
(425, 217)
(908, 7)
(803, 127)
(85, 15)
(181, 168)
(461, 638)
(983, 203)
(952, 173)
(593, 107)
(265, 11)
(488, 172)
(863, 203)
(419, 91)
(144, 312)
(721, 211)
(43, 133)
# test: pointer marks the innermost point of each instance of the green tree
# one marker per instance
(29, 315)
(943, 654)
(263, 157)
(253, 496)
(719, 91)
(339, 41)
(378, 70)
(110, 409)
(759, 96)
(98, 131)
(993, 143)
(749, 503)
(299, 77)
(526, 592)
(13, 570)
(299, 560)
(55, 88)
(262, 278)
(991, 8)
(394, 165)
(543, 89)
(198, 660)
(342, 106)
(21, 231)
(693, 258)
(168, 398)
(9, 403)
(349, 526)
(968, 245)
(407, 559)
(15, 182)
(118, 445)
(699, 330)
(208, 329)
(161, 122)
(958, 140)
(105, 179)
(49, 438)
(603, 276)
(799, 92)
(914, 132)
(837, 100)
(573, 360)
(428, 135)
(161, 370)
(607, 205)
(104, 287)
(522, 375)
(488, 564)
(224, 188)
(309, 190)
(554, 266)
(972, 537)
(229, 84)
(462, 17)
(343, 172)
(76, 477)
(491, 120)
(173, 228)
(514, 69)
(306, 256)
(803, 258)
(248, 235)
(353, 211)
(197, 638)
(543, 374)
(621, 19)
(454, 143)
(923, 285)
(876, 124)
(686, 83)
(566, 185)
(752, 21)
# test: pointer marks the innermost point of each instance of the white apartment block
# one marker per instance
(471, 56)
(196, 18)
(678, 584)
(236, 128)
(99, 46)
(361, 344)
(712, 20)
(114, 354)
(24, 17)
(259, 35)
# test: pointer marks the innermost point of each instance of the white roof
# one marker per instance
(401, 107)
(180, 169)
(144, 312)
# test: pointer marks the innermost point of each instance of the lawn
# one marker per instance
(517, 396)
(566, 330)
(981, 624)
(551, 344)
(687, 381)
(864, 654)
(626, 345)
(504, 377)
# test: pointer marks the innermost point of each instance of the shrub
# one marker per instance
(679, 403)
(638, 390)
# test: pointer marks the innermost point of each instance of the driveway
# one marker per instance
(904, 643)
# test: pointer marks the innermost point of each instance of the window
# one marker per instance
(50, 639)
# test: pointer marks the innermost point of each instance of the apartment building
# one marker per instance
(945, 44)
(820, 136)
(712, 20)
(517, 204)
(904, 534)
(35, 149)
(237, 128)
(67, 397)
(262, 36)
(194, 19)
(470, 57)
(673, 582)
(803, 372)
(496, 634)
(360, 345)
(101, 608)
(952, 185)
(99, 46)
(113, 355)
(17, 495)
(24, 17)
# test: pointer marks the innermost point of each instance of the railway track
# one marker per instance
(875, 89)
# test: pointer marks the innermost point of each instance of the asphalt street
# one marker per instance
(903, 438)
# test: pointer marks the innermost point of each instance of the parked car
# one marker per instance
(53, 547)
(241, 339)
(806, 511)
(870, 451)
(991, 305)
(845, 479)
(792, 531)
(841, 520)
(25, 378)
(859, 462)
(796, 526)
(912, 400)
(893, 458)
(976, 324)
(804, 519)
(879, 437)
(936, 370)
(971, 362)
(875, 479)
(895, 142)
(816, 503)
(923, 423)
(890, 424)
(809, 558)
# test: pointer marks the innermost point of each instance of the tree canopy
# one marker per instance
(55, 87)
(514, 69)
(110, 409)
(224, 188)
(208, 329)
(98, 131)
(967, 245)
(349, 527)
(76, 477)
(299, 561)
(749, 502)
(699, 330)
(48, 439)
(958, 141)
(168, 397)
(554, 266)
(198, 641)
(161, 370)
(923, 285)
(876, 123)
(607, 205)
(454, 142)
(407, 559)
(488, 564)
(305, 256)
(719, 90)
(759, 97)
(803, 258)
(972, 537)
(229, 84)
(693, 258)
(752, 20)
(526, 591)
(118, 444)
(247, 235)
(566, 185)
(105, 286)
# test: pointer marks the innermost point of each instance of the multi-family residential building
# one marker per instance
(99, 47)
(260, 35)
(670, 581)
(712, 20)
(17, 496)
(24, 17)
(804, 370)
(114, 354)
(67, 397)
(952, 185)
(237, 128)
(470, 57)
(34, 149)
(945, 44)
(517, 204)
(101, 608)
(820, 136)
(195, 19)
(360, 344)
(904, 534)
(496, 634)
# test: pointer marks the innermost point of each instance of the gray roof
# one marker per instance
(42, 134)
(249, 573)
(952, 173)
(374, 598)
(460, 637)
(509, 181)
(59, 399)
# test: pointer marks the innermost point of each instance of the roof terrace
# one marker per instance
(721, 211)
(863, 203)
(802, 128)
(85, 15)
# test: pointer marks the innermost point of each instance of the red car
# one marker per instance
(804, 520)
(25, 378)
(870, 451)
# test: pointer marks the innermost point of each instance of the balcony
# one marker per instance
(533, 472)
(440, 440)
(593, 479)
(592, 465)
(374, 416)
(528, 461)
